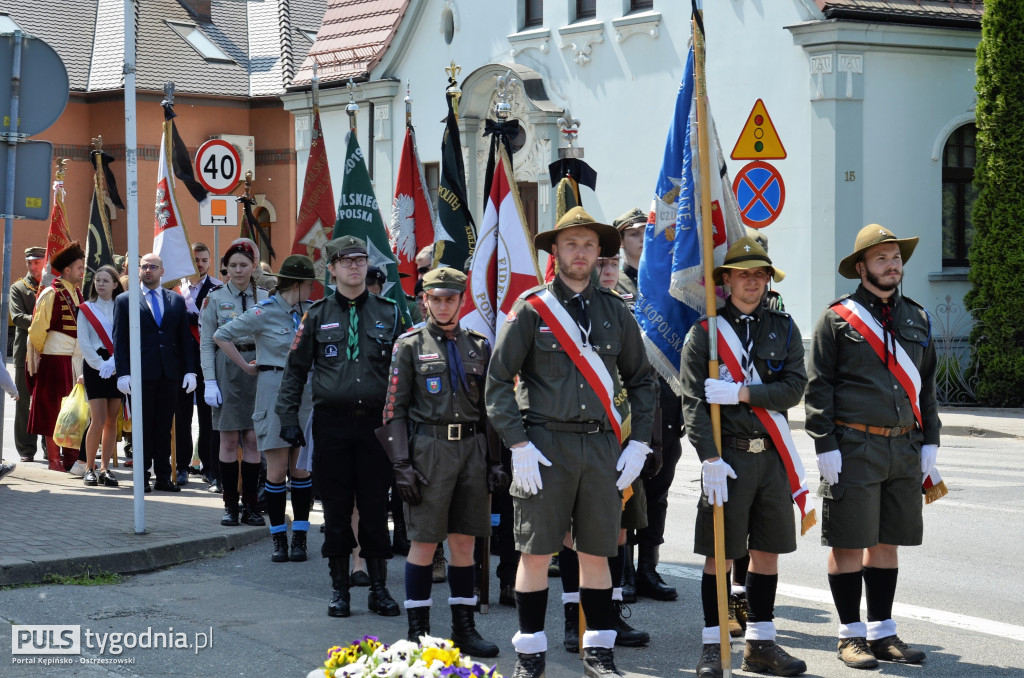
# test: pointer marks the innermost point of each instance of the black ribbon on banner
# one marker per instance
(256, 233)
(502, 132)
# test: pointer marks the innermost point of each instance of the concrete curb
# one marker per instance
(130, 560)
(947, 430)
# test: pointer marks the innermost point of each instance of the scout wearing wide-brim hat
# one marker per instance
(608, 236)
(746, 253)
(869, 236)
(633, 217)
(297, 267)
(345, 246)
(444, 282)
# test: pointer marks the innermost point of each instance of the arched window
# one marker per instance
(958, 195)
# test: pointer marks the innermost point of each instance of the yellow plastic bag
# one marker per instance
(73, 419)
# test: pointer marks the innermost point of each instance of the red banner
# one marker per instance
(315, 222)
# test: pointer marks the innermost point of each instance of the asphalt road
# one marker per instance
(959, 597)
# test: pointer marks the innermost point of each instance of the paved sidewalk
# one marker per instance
(959, 421)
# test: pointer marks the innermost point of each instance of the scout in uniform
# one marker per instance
(272, 324)
(872, 412)
(435, 433)
(575, 350)
(22, 302)
(346, 340)
(761, 377)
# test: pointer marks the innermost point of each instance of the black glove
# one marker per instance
(406, 478)
(293, 436)
(497, 478)
(653, 463)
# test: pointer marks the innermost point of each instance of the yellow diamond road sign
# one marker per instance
(758, 140)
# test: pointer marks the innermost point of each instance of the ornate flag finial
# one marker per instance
(506, 89)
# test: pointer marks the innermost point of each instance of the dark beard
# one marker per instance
(567, 272)
(877, 282)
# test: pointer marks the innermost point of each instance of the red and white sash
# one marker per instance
(101, 323)
(903, 368)
(729, 346)
(586, 360)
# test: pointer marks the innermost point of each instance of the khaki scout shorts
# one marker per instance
(579, 495)
(455, 500)
(759, 513)
(634, 516)
(878, 497)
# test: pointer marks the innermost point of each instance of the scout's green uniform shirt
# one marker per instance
(421, 387)
(551, 388)
(22, 301)
(321, 343)
(274, 321)
(777, 346)
(849, 382)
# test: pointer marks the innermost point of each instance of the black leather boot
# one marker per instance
(380, 600)
(599, 661)
(466, 637)
(629, 577)
(298, 552)
(400, 542)
(572, 628)
(280, 547)
(419, 622)
(530, 665)
(251, 515)
(626, 635)
(340, 600)
(648, 582)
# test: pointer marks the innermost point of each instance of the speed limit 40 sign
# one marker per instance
(218, 167)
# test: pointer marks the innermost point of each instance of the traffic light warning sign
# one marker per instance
(758, 140)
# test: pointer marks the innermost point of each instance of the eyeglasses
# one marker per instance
(349, 262)
(148, 267)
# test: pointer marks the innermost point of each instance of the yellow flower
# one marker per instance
(446, 657)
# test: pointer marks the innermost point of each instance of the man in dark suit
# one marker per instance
(166, 362)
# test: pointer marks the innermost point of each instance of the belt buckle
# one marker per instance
(454, 431)
(756, 446)
(895, 432)
(596, 429)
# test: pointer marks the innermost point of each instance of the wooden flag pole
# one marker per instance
(707, 238)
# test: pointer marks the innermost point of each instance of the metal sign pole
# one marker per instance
(12, 138)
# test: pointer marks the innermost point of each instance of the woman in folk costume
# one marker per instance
(273, 324)
(230, 391)
(53, 336)
(96, 339)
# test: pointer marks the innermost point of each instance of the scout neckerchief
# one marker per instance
(586, 360)
(730, 346)
(901, 366)
(101, 323)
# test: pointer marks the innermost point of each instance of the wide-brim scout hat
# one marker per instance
(297, 267)
(67, 256)
(746, 253)
(444, 282)
(34, 253)
(869, 236)
(608, 236)
(633, 217)
(345, 246)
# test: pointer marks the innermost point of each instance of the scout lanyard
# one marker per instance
(774, 423)
(102, 331)
(586, 360)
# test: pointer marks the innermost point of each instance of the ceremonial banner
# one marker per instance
(99, 246)
(316, 211)
(504, 263)
(170, 240)
(413, 224)
(359, 215)
(670, 280)
(452, 209)
(58, 237)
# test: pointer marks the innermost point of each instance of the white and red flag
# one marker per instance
(504, 263)
(170, 240)
(413, 223)
(315, 222)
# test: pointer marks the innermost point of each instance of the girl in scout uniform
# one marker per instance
(272, 324)
(230, 391)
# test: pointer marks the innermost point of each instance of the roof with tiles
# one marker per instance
(65, 25)
(951, 13)
(352, 39)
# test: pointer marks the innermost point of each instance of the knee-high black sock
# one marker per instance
(276, 500)
(709, 599)
(617, 564)
(569, 567)
(761, 596)
(302, 494)
(250, 481)
(229, 480)
(461, 581)
(597, 608)
(846, 588)
(880, 590)
(739, 570)
(531, 607)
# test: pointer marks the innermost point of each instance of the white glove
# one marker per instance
(631, 462)
(721, 392)
(189, 384)
(526, 462)
(713, 477)
(830, 465)
(212, 394)
(107, 368)
(124, 384)
(928, 455)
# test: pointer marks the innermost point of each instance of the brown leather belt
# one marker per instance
(447, 431)
(752, 445)
(884, 431)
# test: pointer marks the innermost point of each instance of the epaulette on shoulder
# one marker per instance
(477, 334)
(532, 290)
(837, 300)
(908, 299)
(409, 333)
(266, 302)
(612, 293)
(387, 299)
(780, 312)
(316, 303)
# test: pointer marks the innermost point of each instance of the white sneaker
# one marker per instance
(78, 469)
